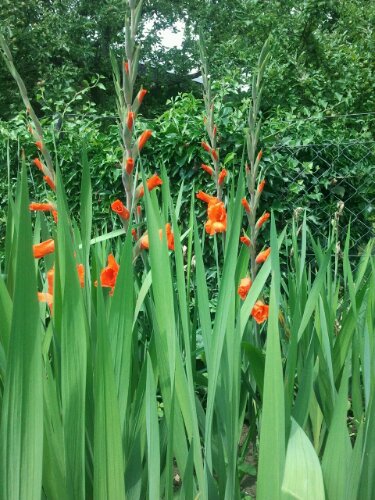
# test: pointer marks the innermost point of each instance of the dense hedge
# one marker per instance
(312, 159)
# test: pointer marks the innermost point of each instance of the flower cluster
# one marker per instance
(216, 214)
(47, 297)
(108, 275)
(260, 310)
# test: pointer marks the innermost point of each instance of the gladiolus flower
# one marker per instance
(263, 256)
(54, 214)
(44, 248)
(206, 146)
(170, 236)
(129, 166)
(48, 298)
(50, 182)
(141, 95)
(41, 207)
(214, 131)
(81, 274)
(144, 137)
(217, 218)
(207, 169)
(108, 276)
(246, 205)
(244, 287)
(145, 243)
(207, 198)
(139, 210)
(214, 154)
(152, 183)
(222, 176)
(261, 186)
(130, 120)
(245, 240)
(119, 208)
(126, 67)
(50, 280)
(262, 219)
(260, 154)
(134, 234)
(260, 311)
(39, 145)
(39, 164)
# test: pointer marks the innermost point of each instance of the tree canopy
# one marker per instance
(322, 50)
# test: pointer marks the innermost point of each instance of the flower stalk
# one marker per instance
(254, 182)
(209, 122)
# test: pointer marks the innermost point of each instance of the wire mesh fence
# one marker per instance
(333, 182)
(324, 166)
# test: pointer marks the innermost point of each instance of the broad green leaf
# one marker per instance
(272, 434)
(21, 430)
(108, 455)
(338, 450)
(152, 427)
(303, 479)
(72, 331)
(314, 294)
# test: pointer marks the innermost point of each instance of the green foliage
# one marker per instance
(135, 394)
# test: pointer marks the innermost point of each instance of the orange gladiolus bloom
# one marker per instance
(46, 297)
(38, 164)
(144, 137)
(39, 145)
(130, 120)
(50, 182)
(262, 219)
(206, 146)
(246, 240)
(217, 218)
(244, 287)
(54, 213)
(261, 186)
(207, 198)
(260, 311)
(207, 169)
(246, 205)
(145, 243)
(152, 183)
(139, 210)
(44, 248)
(260, 154)
(129, 166)
(119, 208)
(141, 95)
(134, 234)
(126, 67)
(222, 176)
(263, 256)
(41, 207)
(108, 276)
(170, 236)
(214, 154)
(50, 280)
(81, 274)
